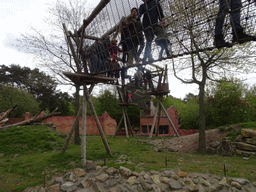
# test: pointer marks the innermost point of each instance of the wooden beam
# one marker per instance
(83, 141)
(166, 113)
(119, 124)
(125, 125)
(94, 13)
(154, 122)
(97, 120)
(77, 61)
(75, 123)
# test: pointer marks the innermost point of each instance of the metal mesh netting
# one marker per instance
(189, 28)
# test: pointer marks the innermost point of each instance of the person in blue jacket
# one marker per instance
(152, 14)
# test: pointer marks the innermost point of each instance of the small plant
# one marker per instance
(221, 128)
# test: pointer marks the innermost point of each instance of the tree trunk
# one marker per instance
(38, 119)
(202, 139)
(77, 106)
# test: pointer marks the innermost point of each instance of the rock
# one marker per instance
(168, 173)
(214, 144)
(236, 185)
(70, 176)
(86, 183)
(245, 153)
(124, 171)
(98, 167)
(223, 181)
(174, 185)
(205, 183)
(58, 180)
(165, 179)
(182, 174)
(102, 177)
(225, 148)
(111, 171)
(131, 180)
(254, 183)
(210, 150)
(245, 146)
(79, 172)
(156, 179)
(134, 173)
(189, 182)
(145, 185)
(146, 176)
(251, 141)
(90, 166)
(239, 138)
(68, 187)
(240, 181)
(156, 188)
(248, 133)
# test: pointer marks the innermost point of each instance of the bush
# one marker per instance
(9, 96)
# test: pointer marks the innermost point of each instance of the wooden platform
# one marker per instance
(128, 104)
(159, 93)
(82, 78)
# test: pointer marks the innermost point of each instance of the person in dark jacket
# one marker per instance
(152, 13)
(126, 42)
(135, 28)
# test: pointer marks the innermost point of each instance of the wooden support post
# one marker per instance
(72, 48)
(83, 141)
(63, 149)
(159, 116)
(125, 125)
(97, 120)
(153, 124)
(128, 120)
(120, 122)
(166, 113)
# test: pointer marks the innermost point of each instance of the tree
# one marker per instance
(110, 104)
(25, 101)
(37, 83)
(226, 103)
(250, 97)
(202, 65)
(49, 47)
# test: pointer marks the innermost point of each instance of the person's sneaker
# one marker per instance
(242, 38)
(221, 43)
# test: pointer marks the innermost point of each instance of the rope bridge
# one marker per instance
(189, 28)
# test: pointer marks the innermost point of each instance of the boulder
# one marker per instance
(248, 133)
(245, 146)
(251, 141)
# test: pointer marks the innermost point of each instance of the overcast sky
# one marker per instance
(15, 18)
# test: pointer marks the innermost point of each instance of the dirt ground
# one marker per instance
(188, 143)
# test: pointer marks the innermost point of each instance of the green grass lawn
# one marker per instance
(30, 151)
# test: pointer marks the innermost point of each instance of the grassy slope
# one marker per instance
(31, 150)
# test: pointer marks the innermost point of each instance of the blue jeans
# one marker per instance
(225, 6)
(149, 34)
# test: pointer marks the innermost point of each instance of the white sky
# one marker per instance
(15, 18)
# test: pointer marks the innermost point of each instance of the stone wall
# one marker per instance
(64, 123)
(246, 143)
